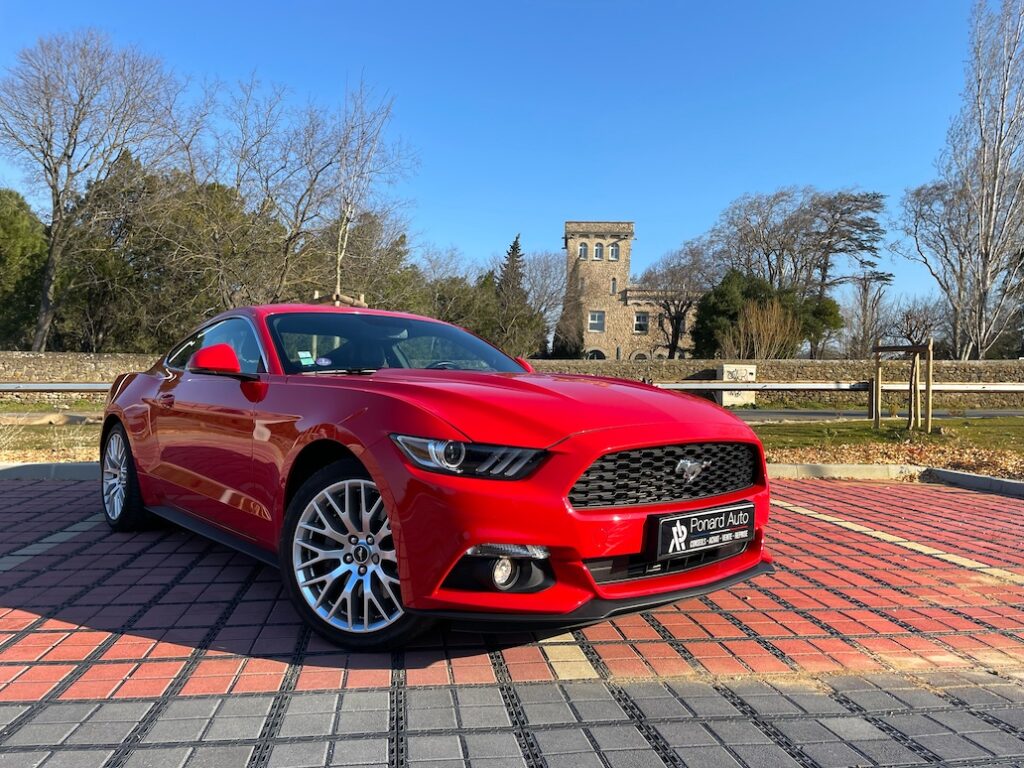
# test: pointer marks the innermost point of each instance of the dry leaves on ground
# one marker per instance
(952, 455)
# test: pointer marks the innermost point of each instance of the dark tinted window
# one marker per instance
(328, 341)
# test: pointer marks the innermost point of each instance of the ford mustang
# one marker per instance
(400, 470)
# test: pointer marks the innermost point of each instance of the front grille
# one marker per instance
(611, 569)
(648, 475)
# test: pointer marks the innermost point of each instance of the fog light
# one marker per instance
(504, 573)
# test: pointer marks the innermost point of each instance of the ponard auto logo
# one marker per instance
(678, 543)
(690, 470)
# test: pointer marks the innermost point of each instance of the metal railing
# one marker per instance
(9, 387)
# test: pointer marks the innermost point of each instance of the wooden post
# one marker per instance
(910, 393)
(877, 420)
(928, 390)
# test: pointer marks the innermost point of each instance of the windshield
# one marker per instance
(324, 342)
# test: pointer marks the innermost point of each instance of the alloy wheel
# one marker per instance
(115, 475)
(343, 554)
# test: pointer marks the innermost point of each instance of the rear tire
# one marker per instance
(119, 484)
(339, 562)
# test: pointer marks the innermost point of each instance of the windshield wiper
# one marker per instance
(337, 371)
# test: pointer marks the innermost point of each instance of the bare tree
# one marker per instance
(866, 313)
(70, 107)
(675, 284)
(914, 321)
(968, 228)
(764, 331)
(544, 276)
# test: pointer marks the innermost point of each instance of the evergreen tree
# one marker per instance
(519, 325)
(22, 259)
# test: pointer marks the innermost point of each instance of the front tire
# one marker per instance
(122, 499)
(339, 562)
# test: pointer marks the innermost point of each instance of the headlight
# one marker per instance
(455, 458)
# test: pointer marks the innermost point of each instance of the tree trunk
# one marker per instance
(47, 303)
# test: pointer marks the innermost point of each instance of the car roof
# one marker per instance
(263, 311)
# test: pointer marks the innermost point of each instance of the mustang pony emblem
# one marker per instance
(690, 470)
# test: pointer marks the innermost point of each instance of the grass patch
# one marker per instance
(1002, 433)
(79, 442)
(77, 405)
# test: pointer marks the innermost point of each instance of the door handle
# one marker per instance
(166, 399)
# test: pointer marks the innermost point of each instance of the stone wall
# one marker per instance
(57, 366)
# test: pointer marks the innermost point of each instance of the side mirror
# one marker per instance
(525, 364)
(217, 359)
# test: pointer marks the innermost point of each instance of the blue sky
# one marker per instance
(524, 114)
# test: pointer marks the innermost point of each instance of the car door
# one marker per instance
(204, 423)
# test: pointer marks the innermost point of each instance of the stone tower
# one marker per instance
(615, 325)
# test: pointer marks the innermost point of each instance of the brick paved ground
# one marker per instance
(890, 635)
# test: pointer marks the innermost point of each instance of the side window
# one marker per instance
(583, 251)
(613, 252)
(238, 335)
(180, 355)
(598, 251)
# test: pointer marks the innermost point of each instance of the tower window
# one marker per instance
(615, 286)
(598, 251)
(641, 322)
(613, 252)
(583, 251)
(596, 321)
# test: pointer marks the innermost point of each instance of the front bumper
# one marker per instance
(594, 611)
(437, 517)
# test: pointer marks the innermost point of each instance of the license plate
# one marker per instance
(683, 534)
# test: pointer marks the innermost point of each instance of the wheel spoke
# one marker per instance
(355, 521)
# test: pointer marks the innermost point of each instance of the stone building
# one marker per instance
(620, 321)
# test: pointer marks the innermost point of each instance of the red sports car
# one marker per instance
(398, 469)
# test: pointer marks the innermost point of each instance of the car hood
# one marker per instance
(539, 410)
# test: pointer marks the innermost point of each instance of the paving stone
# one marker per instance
(706, 757)
(252, 706)
(425, 699)
(745, 688)
(847, 683)
(661, 708)
(121, 711)
(161, 757)
(562, 740)
(684, 734)
(886, 752)
(479, 697)
(22, 759)
(101, 733)
(998, 743)
(549, 713)
(804, 731)
(609, 737)
(79, 758)
(851, 728)
(976, 696)
(175, 730)
(301, 755)
(574, 760)
(360, 752)
(595, 711)
(362, 701)
(711, 707)
(816, 703)
(587, 692)
(875, 701)
(833, 754)
(738, 732)
(430, 719)
(233, 728)
(539, 693)
(949, 746)
(311, 703)
(434, 748)
(915, 725)
(64, 713)
(484, 717)
(499, 762)
(918, 698)
(181, 709)
(491, 745)
(646, 691)
(41, 734)
(307, 724)
(637, 758)
(961, 722)
(8, 714)
(764, 756)
(220, 757)
(365, 721)
(1014, 717)
(772, 705)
